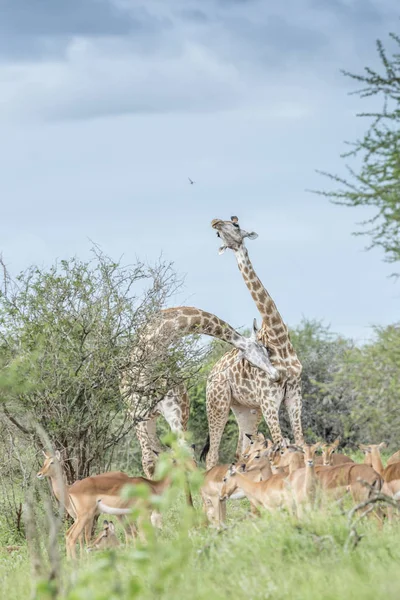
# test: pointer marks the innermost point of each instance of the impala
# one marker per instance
(95, 495)
(214, 507)
(331, 458)
(271, 493)
(52, 469)
(107, 538)
(390, 474)
(394, 458)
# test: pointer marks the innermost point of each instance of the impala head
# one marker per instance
(256, 460)
(309, 453)
(328, 450)
(256, 442)
(107, 538)
(372, 449)
(284, 453)
(253, 350)
(231, 236)
(229, 483)
(49, 468)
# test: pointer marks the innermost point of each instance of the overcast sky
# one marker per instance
(107, 106)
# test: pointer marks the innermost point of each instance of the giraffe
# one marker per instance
(236, 385)
(181, 321)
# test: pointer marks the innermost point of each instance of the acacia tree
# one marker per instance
(375, 182)
(67, 334)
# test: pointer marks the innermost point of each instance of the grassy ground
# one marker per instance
(274, 556)
(271, 557)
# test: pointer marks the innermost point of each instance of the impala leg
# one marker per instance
(128, 524)
(77, 529)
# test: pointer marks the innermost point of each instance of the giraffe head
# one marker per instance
(257, 354)
(231, 235)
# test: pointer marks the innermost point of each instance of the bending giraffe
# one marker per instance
(248, 392)
(179, 322)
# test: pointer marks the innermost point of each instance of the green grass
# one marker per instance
(274, 556)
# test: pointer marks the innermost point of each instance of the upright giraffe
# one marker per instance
(179, 322)
(250, 393)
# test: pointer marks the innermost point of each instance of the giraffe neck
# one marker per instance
(186, 320)
(274, 333)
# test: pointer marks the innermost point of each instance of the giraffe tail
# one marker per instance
(206, 448)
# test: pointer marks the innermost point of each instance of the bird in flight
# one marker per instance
(191, 182)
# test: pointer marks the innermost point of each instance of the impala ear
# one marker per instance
(57, 455)
(336, 442)
(249, 436)
(105, 523)
(111, 527)
(364, 448)
(45, 454)
(382, 445)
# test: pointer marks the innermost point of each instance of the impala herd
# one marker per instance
(271, 476)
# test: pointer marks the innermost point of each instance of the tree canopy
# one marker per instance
(374, 181)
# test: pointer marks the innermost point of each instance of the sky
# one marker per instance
(108, 106)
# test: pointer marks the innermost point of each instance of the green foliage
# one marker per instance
(369, 379)
(375, 182)
(67, 334)
(322, 354)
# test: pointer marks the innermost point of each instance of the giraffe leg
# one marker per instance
(218, 405)
(270, 402)
(293, 403)
(185, 407)
(171, 409)
(248, 420)
(148, 440)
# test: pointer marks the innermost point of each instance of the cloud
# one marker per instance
(34, 29)
(91, 58)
